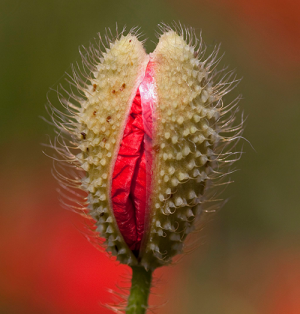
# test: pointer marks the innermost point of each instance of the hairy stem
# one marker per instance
(139, 292)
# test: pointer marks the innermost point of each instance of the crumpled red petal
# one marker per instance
(128, 191)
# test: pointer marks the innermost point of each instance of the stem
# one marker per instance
(139, 292)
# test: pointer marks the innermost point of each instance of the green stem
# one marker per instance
(139, 292)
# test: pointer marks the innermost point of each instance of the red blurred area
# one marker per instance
(270, 31)
(283, 295)
(47, 264)
(277, 22)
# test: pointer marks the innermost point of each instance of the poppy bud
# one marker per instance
(151, 134)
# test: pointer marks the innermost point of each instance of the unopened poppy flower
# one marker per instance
(149, 135)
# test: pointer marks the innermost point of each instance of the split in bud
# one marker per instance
(153, 135)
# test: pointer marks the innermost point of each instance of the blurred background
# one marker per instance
(248, 261)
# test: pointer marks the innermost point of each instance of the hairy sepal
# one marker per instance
(185, 137)
(103, 119)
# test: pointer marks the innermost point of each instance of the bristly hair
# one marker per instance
(67, 167)
(63, 111)
(226, 151)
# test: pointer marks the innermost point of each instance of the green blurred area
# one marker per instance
(38, 42)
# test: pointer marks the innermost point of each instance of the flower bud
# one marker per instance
(150, 131)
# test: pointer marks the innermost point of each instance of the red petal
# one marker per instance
(128, 190)
(131, 182)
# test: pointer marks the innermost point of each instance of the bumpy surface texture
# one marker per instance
(102, 122)
(184, 139)
(153, 135)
